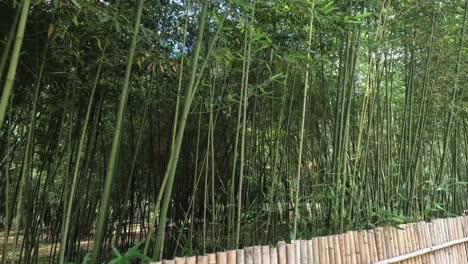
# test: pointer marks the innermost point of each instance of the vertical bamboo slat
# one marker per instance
(290, 254)
(325, 249)
(191, 260)
(373, 256)
(353, 248)
(378, 244)
(179, 260)
(240, 258)
(203, 260)
(388, 241)
(365, 247)
(231, 257)
(463, 247)
(315, 250)
(357, 246)
(337, 249)
(248, 255)
(297, 248)
(303, 251)
(168, 261)
(282, 258)
(310, 252)
(221, 258)
(212, 258)
(331, 249)
(455, 236)
(257, 255)
(273, 256)
(265, 254)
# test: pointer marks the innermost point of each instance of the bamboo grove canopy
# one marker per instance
(190, 126)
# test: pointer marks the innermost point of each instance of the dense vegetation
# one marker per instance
(199, 125)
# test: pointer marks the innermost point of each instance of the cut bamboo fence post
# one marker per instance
(378, 243)
(240, 257)
(310, 252)
(179, 260)
(282, 259)
(365, 243)
(337, 249)
(248, 255)
(357, 246)
(388, 241)
(331, 249)
(167, 261)
(372, 246)
(315, 250)
(265, 254)
(297, 251)
(191, 260)
(203, 260)
(321, 250)
(257, 255)
(290, 254)
(221, 258)
(303, 251)
(464, 246)
(212, 258)
(273, 256)
(353, 248)
(231, 257)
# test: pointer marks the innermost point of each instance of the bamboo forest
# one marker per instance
(132, 131)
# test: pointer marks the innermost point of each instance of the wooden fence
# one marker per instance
(440, 241)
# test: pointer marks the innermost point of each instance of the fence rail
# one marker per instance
(439, 241)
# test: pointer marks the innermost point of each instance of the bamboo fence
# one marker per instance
(440, 241)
